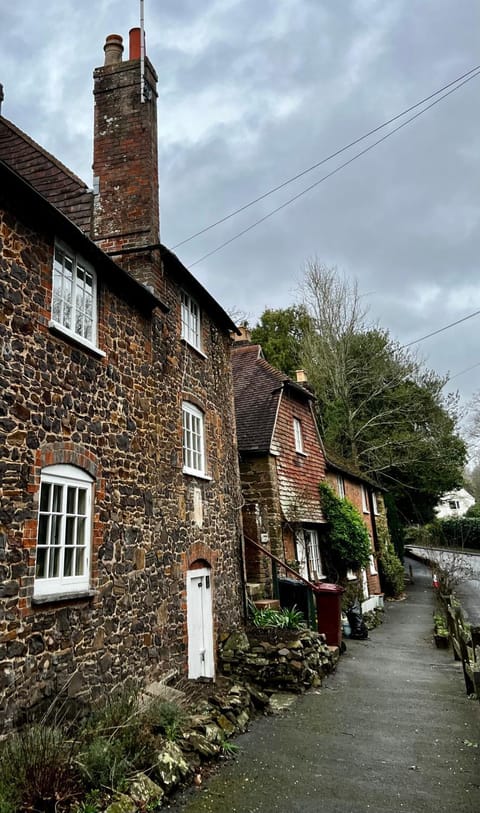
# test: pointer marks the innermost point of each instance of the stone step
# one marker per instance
(267, 604)
(254, 591)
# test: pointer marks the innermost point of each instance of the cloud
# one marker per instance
(250, 94)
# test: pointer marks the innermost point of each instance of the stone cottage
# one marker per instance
(120, 524)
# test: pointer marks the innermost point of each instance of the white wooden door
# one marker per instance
(201, 662)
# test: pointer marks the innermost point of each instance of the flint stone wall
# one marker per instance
(119, 417)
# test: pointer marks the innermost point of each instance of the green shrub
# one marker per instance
(473, 511)
(392, 574)
(286, 618)
(117, 741)
(347, 533)
(104, 763)
(455, 532)
(165, 717)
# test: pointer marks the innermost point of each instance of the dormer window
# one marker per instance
(297, 432)
(74, 293)
(190, 321)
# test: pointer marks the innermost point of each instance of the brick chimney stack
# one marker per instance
(125, 160)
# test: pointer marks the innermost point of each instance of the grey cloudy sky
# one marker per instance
(253, 91)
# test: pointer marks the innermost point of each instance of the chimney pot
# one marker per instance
(113, 49)
(301, 376)
(245, 335)
(135, 43)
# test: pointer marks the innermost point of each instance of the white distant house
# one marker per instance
(454, 504)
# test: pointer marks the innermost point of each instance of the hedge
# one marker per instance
(461, 532)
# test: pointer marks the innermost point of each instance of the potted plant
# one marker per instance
(440, 631)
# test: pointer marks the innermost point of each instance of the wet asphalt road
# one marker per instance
(391, 731)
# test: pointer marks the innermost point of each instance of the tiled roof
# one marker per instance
(257, 387)
(57, 184)
(336, 463)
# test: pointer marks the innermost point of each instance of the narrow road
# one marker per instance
(391, 731)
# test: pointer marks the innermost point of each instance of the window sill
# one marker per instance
(302, 454)
(193, 347)
(198, 474)
(84, 344)
(57, 597)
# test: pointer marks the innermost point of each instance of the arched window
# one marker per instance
(64, 531)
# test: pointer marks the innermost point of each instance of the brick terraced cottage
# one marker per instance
(368, 501)
(281, 464)
(120, 528)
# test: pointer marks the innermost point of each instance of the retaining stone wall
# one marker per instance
(277, 659)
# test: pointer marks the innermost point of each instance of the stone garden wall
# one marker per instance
(288, 660)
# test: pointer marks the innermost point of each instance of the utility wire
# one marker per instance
(330, 174)
(441, 329)
(324, 160)
(466, 370)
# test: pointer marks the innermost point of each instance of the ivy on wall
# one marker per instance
(347, 533)
(392, 574)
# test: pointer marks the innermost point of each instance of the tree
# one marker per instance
(377, 405)
(473, 482)
(281, 334)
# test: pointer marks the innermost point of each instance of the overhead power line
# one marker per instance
(327, 158)
(466, 370)
(441, 329)
(333, 172)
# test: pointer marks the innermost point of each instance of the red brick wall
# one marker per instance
(125, 157)
(353, 492)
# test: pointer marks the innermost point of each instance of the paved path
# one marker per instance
(391, 731)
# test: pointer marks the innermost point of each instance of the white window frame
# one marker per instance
(193, 443)
(364, 500)
(373, 569)
(64, 298)
(191, 323)
(340, 486)
(65, 502)
(297, 433)
(309, 555)
(375, 503)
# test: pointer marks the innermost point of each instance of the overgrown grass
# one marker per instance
(45, 768)
(165, 717)
(37, 770)
(117, 742)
